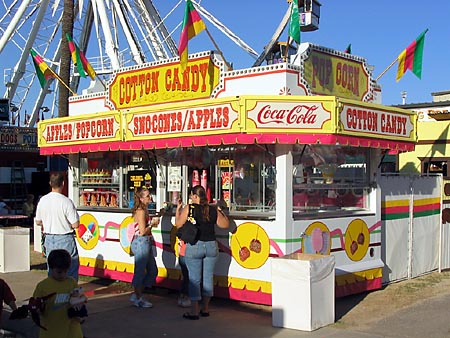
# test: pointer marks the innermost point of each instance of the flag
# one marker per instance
(78, 58)
(348, 50)
(192, 26)
(294, 23)
(411, 57)
(43, 71)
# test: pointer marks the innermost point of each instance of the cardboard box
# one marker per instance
(14, 249)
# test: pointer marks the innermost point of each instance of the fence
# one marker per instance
(414, 239)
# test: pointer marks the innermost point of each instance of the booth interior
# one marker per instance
(242, 179)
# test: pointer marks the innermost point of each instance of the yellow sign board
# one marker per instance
(331, 74)
(161, 83)
(92, 128)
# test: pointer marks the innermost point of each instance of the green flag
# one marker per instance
(294, 23)
(348, 50)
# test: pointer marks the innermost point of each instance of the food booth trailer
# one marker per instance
(290, 150)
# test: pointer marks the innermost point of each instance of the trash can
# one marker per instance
(303, 291)
(14, 249)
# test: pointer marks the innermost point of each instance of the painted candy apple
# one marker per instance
(255, 245)
(353, 247)
(244, 253)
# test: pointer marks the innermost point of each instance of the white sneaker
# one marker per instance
(142, 303)
(184, 301)
(133, 298)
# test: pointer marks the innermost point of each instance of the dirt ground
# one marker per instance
(352, 311)
(361, 310)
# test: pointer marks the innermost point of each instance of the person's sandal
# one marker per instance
(204, 314)
(187, 315)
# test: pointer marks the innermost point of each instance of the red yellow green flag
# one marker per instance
(294, 22)
(411, 57)
(78, 58)
(348, 50)
(192, 26)
(43, 71)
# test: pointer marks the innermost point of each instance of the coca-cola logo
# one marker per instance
(297, 115)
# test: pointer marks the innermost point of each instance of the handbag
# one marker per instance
(188, 233)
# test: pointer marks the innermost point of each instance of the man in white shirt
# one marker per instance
(59, 218)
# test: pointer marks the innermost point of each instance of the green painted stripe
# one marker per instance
(426, 213)
(389, 217)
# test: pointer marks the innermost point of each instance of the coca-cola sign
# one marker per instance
(279, 115)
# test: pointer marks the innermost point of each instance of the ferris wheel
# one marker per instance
(112, 33)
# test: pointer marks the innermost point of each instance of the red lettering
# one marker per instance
(297, 115)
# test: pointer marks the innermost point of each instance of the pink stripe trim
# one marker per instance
(427, 207)
(395, 210)
(358, 287)
(245, 295)
(210, 140)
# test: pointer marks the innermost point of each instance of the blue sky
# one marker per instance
(377, 30)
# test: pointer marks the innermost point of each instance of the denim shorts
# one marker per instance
(145, 269)
(201, 260)
(66, 242)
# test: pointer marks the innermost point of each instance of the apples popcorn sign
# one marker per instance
(94, 129)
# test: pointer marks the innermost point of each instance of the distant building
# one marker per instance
(432, 151)
(19, 160)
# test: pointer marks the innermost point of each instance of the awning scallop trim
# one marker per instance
(229, 139)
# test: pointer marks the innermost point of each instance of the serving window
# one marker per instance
(109, 179)
(238, 178)
(97, 180)
(330, 178)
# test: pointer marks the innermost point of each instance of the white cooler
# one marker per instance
(14, 249)
(303, 291)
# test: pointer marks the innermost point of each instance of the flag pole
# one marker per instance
(218, 49)
(60, 80)
(286, 52)
(388, 67)
(101, 81)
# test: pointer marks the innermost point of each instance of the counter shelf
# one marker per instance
(340, 213)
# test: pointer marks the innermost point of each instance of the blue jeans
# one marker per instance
(201, 259)
(185, 272)
(66, 242)
(145, 269)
